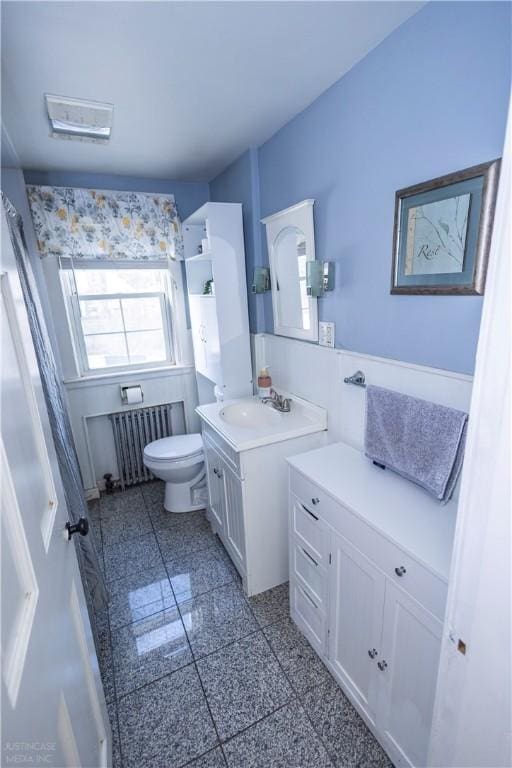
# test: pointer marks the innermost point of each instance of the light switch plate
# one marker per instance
(326, 334)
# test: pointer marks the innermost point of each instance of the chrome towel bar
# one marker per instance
(357, 378)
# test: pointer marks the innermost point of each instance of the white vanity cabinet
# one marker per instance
(248, 496)
(217, 294)
(372, 599)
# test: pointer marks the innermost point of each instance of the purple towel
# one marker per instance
(419, 440)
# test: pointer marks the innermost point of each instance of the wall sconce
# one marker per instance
(319, 278)
(261, 280)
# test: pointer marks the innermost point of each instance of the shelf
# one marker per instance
(202, 295)
(199, 257)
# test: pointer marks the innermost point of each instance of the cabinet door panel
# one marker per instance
(213, 467)
(308, 616)
(356, 604)
(198, 334)
(211, 339)
(411, 645)
(234, 510)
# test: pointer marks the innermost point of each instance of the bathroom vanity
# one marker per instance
(369, 562)
(246, 444)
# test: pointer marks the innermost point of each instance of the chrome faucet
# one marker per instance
(280, 403)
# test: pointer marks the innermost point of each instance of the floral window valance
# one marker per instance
(99, 224)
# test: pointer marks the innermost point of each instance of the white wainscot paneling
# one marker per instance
(316, 374)
(90, 402)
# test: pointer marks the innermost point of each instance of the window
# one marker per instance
(120, 317)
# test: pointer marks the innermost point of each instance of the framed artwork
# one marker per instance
(443, 232)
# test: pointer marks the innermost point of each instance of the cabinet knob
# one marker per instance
(401, 571)
(315, 501)
(372, 653)
(382, 665)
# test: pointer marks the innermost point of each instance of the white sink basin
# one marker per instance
(249, 423)
(250, 414)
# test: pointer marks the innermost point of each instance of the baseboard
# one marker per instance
(92, 493)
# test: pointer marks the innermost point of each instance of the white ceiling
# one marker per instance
(193, 83)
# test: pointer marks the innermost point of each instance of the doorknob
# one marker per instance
(82, 527)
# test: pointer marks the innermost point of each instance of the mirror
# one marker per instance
(291, 244)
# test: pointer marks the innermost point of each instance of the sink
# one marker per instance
(249, 423)
(250, 414)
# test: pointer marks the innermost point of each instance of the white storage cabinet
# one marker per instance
(369, 563)
(219, 319)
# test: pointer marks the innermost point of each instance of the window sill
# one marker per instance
(99, 379)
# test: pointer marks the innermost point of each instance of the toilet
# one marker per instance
(179, 462)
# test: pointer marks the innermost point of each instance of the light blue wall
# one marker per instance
(432, 98)
(239, 183)
(189, 195)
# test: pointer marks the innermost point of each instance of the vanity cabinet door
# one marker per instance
(214, 466)
(411, 644)
(356, 605)
(234, 515)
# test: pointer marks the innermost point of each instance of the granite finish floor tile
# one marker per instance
(125, 525)
(216, 619)
(178, 540)
(212, 759)
(348, 740)
(116, 743)
(302, 666)
(132, 556)
(106, 665)
(121, 501)
(272, 605)
(243, 683)
(166, 723)
(153, 492)
(148, 650)
(139, 595)
(285, 739)
(195, 573)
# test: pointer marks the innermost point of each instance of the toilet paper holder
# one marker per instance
(129, 394)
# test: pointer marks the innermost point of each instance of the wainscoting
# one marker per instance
(316, 374)
(91, 400)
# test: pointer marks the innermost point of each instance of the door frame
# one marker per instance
(472, 710)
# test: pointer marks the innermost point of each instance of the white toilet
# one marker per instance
(179, 461)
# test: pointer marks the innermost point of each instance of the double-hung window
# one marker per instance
(120, 316)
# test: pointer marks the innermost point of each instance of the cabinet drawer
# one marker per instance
(420, 583)
(424, 586)
(310, 574)
(231, 456)
(308, 616)
(308, 530)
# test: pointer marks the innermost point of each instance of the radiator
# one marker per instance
(134, 429)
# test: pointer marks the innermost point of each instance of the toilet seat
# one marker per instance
(174, 449)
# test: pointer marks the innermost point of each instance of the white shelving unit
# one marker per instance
(217, 293)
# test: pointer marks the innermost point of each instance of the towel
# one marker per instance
(419, 440)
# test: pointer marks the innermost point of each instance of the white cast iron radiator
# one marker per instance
(134, 429)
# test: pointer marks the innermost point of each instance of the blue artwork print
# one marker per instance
(436, 236)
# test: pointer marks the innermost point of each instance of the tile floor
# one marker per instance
(194, 673)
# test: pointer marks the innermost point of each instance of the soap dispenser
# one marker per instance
(264, 383)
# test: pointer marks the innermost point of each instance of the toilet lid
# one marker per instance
(175, 447)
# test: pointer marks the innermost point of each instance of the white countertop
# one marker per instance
(304, 418)
(402, 511)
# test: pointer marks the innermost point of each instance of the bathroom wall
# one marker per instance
(89, 400)
(430, 99)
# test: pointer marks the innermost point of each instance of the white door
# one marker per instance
(213, 464)
(411, 644)
(356, 604)
(234, 511)
(53, 708)
(211, 338)
(198, 334)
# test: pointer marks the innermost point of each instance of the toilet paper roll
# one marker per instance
(133, 395)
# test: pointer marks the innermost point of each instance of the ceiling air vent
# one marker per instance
(79, 120)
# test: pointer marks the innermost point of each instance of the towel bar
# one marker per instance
(357, 378)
